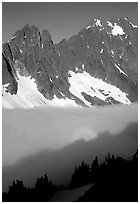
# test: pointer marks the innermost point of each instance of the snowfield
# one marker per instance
(83, 82)
(28, 95)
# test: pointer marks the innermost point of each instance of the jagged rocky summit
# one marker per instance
(97, 66)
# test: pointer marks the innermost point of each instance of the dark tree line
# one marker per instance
(115, 179)
(84, 174)
(42, 191)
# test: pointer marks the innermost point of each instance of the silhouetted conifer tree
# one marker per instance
(94, 169)
(17, 191)
(44, 188)
(81, 176)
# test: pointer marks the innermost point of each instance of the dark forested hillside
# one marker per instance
(115, 179)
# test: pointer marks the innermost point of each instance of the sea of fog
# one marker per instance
(27, 132)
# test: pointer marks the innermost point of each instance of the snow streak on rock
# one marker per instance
(121, 71)
(134, 26)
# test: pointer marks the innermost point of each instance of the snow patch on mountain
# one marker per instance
(88, 27)
(62, 102)
(5, 88)
(109, 24)
(98, 22)
(112, 52)
(117, 30)
(84, 82)
(101, 51)
(27, 95)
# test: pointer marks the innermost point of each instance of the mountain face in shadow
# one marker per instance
(60, 164)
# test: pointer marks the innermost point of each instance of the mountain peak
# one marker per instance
(98, 66)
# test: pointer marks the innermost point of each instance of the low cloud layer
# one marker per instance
(29, 131)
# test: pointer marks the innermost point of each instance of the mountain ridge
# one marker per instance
(103, 53)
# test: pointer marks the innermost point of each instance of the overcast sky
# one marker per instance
(62, 19)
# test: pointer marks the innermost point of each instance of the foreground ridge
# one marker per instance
(115, 178)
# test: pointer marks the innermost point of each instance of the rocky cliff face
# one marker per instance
(97, 66)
